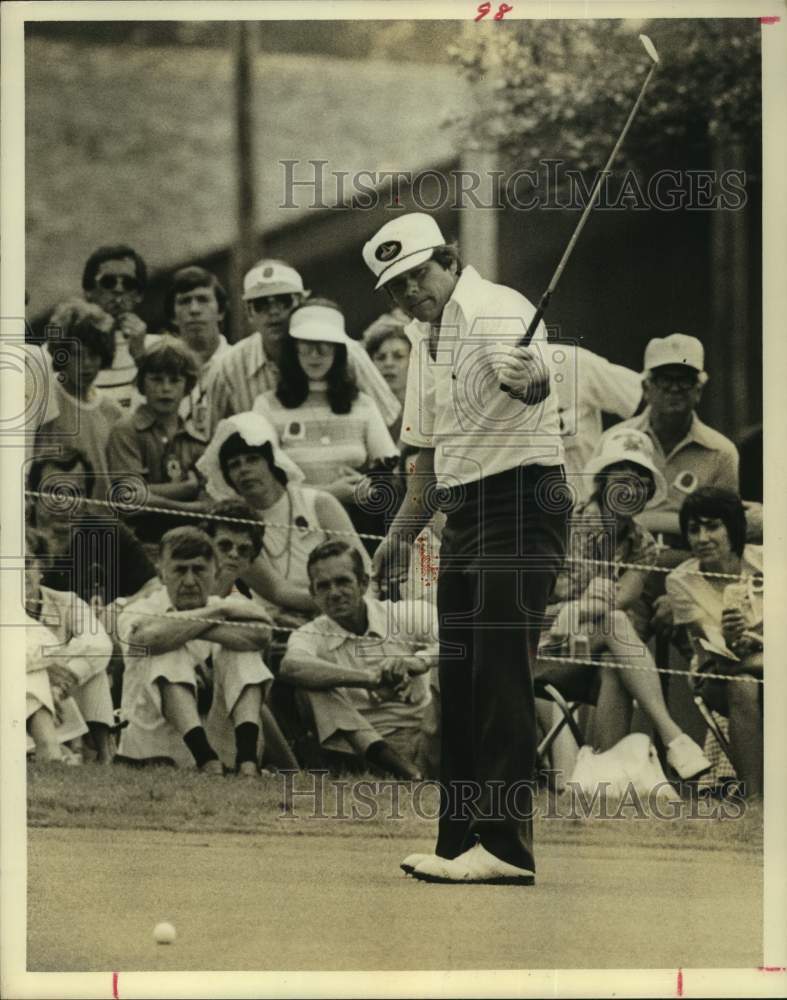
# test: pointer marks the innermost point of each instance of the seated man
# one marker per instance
(361, 666)
(182, 627)
(66, 659)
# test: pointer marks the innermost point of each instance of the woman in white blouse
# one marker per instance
(333, 432)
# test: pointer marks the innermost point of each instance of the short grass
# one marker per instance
(121, 798)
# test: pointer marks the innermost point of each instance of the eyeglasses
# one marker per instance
(266, 302)
(323, 348)
(664, 381)
(245, 550)
(118, 282)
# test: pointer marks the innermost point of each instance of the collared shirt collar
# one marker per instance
(221, 349)
(466, 295)
(468, 291)
(255, 355)
(699, 433)
(377, 626)
(144, 418)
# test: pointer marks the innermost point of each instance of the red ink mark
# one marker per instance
(772, 968)
(680, 982)
(115, 993)
(771, 19)
(429, 567)
(484, 8)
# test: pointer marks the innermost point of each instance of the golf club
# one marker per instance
(650, 48)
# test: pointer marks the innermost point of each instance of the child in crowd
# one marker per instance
(152, 450)
(81, 342)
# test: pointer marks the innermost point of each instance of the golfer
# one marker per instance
(492, 460)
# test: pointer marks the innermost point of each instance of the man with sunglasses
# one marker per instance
(688, 453)
(271, 290)
(114, 277)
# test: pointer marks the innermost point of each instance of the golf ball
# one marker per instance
(164, 933)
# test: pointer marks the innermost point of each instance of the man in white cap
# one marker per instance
(494, 460)
(271, 290)
(688, 453)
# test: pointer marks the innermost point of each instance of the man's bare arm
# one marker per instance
(305, 670)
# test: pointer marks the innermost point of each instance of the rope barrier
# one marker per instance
(746, 678)
(118, 506)
(576, 661)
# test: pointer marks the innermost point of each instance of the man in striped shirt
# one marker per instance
(271, 290)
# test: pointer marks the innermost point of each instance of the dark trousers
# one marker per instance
(502, 546)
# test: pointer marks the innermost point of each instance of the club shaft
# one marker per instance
(528, 336)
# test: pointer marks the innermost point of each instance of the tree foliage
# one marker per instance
(564, 88)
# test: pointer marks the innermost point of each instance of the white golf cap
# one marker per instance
(677, 349)
(271, 277)
(629, 445)
(401, 245)
(318, 323)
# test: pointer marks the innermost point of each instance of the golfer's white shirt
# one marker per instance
(454, 403)
(588, 385)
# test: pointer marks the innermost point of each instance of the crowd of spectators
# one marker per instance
(201, 516)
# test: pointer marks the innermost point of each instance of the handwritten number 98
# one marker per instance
(484, 8)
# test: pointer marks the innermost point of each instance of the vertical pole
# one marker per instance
(729, 359)
(246, 249)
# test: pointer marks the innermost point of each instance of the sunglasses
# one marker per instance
(118, 282)
(663, 381)
(245, 550)
(264, 304)
(322, 348)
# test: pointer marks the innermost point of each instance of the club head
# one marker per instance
(650, 48)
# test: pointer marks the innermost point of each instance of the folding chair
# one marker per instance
(713, 725)
(547, 691)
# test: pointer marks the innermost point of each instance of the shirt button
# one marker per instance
(325, 440)
(453, 376)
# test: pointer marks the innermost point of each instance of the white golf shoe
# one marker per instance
(475, 867)
(412, 860)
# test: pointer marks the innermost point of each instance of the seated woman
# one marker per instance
(389, 348)
(243, 461)
(151, 450)
(67, 658)
(591, 601)
(724, 619)
(332, 432)
(81, 342)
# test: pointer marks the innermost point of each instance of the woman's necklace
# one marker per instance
(275, 556)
